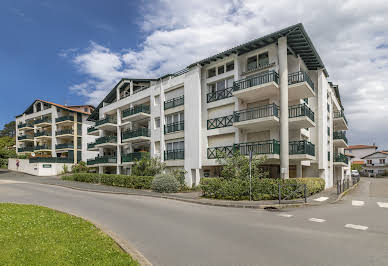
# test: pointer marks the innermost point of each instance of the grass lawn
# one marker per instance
(33, 235)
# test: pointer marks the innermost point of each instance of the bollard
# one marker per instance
(305, 193)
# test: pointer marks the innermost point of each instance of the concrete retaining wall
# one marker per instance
(38, 169)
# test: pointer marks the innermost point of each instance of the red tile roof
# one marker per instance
(361, 147)
(358, 162)
(65, 107)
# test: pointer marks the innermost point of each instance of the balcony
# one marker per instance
(174, 102)
(25, 126)
(300, 86)
(108, 123)
(68, 119)
(174, 127)
(259, 118)
(42, 135)
(259, 87)
(92, 147)
(25, 138)
(65, 133)
(134, 156)
(25, 149)
(339, 139)
(93, 131)
(64, 146)
(106, 141)
(220, 122)
(43, 122)
(301, 150)
(42, 148)
(136, 135)
(138, 112)
(339, 121)
(51, 160)
(340, 159)
(300, 116)
(270, 148)
(219, 95)
(174, 155)
(102, 160)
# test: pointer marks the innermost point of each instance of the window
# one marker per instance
(86, 109)
(211, 72)
(157, 100)
(263, 59)
(221, 69)
(177, 145)
(220, 85)
(306, 100)
(256, 61)
(252, 63)
(175, 118)
(328, 108)
(212, 88)
(382, 161)
(157, 122)
(369, 162)
(229, 66)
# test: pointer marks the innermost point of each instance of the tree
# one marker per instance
(357, 167)
(147, 167)
(9, 130)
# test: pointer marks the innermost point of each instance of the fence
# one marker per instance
(343, 185)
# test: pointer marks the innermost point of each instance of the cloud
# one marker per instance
(350, 36)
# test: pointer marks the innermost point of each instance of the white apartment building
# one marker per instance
(270, 95)
(51, 132)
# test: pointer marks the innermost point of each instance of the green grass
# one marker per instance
(33, 235)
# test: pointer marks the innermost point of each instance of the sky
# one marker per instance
(74, 52)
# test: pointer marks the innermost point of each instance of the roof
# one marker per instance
(352, 147)
(358, 162)
(383, 152)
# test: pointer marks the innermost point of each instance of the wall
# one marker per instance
(37, 168)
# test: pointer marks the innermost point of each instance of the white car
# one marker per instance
(355, 173)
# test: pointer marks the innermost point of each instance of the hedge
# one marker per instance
(262, 189)
(137, 182)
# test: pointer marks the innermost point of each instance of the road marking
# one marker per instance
(321, 199)
(285, 215)
(383, 204)
(355, 226)
(11, 182)
(358, 203)
(317, 220)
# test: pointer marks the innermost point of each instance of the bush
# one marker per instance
(136, 182)
(65, 169)
(262, 189)
(80, 168)
(165, 183)
(179, 175)
(148, 167)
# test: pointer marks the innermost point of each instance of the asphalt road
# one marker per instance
(167, 232)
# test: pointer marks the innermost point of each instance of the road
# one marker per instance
(167, 232)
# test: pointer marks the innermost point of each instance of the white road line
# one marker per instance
(317, 220)
(285, 215)
(321, 199)
(11, 182)
(383, 204)
(355, 226)
(358, 203)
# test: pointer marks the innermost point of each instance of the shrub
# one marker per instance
(179, 175)
(65, 169)
(165, 183)
(262, 189)
(80, 168)
(148, 167)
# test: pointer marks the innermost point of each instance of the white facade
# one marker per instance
(376, 163)
(358, 152)
(265, 98)
(54, 131)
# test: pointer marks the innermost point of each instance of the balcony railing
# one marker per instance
(106, 139)
(102, 160)
(301, 147)
(298, 77)
(91, 145)
(242, 84)
(51, 160)
(136, 109)
(340, 114)
(92, 129)
(106, 120)
(64, 146)
(258, 112)
(139, 132)
(42, 147)
(21, 125)
(26, 149)
(300, 110)
(134, 156)
(220, 122)
(340, 158)
(43, 120)
(258, 148)
(340, 135)
(43, 133)
(174, 127)
(64, 118)
(64, 132)
(23, 137)
(219, 95)
(174, 155)
(174, 102)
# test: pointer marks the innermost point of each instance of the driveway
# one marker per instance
(169, 232)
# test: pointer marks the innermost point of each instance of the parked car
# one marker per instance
(355, 173)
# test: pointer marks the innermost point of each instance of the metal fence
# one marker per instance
(343, 185)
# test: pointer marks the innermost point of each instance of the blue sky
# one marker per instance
(75, 51)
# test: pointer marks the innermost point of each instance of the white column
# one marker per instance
(299, 169)
(283, 80)
(118, 153)
(162, 122)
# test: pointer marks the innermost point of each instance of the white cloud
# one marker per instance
(345, 33)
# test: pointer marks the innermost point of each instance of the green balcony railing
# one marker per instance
(328, 156)
(42, 147)
(300, 110)
(340, 114)
(174, 102)
(24, 137)
(102, 160)
(64, 132)
(340, 135)
(220, 122)
(258, 112)
(92, 129)
(298, 77)
(174, 154)
(106, 139)
(340, 158)
(106, 120)
(174, 127)
(64, 118)
(257, 147)
(219, 95)
(22, 125)
(136, 109)
(64, 146)
(42, 133)
(139, 132)
(26, 149)
(91, 145)
(301, 147)
(51, 160)
(267, 77)
(42, 120)
(134, 156)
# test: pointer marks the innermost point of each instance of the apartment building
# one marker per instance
(270, 96)
(357, 152)
(51, 132)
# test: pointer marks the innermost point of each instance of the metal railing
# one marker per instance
(340, 158)
(139, 132)
(174, 102)
(64, 118)
(42, 147)
(23, 137)
(292, 191)
(136, 109)
(21, 125)
(64, 146)
(92, 129)
(174, 154)
(258, 112)
(216, 152)
(258, 148)
(298, 77)
(343, 185)
(340, 135)
(340, 114)
(91, 145)
(43, 120)
(174, 127)
(42, 133)
(220, 122)
(134, 156)
(301, 147)
(26, 149)
(106, 139)
(219, 95)
(102, 160)
(51, 160)
(106, 120)
(300, 110)
(64, 132)
(264, 78)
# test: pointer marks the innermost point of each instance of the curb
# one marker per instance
(340, 196)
